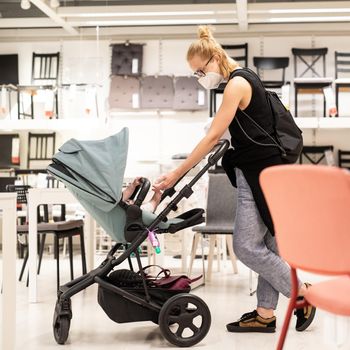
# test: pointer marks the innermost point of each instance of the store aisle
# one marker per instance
(227, 296)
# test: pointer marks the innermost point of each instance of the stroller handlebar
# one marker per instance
(141, 191)
(217, 152)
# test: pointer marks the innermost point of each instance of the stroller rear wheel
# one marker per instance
(184, 320)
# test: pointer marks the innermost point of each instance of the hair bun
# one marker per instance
(204, 32)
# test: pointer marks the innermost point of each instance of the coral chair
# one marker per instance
(309, 206)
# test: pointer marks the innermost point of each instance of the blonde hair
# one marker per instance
(206, 46)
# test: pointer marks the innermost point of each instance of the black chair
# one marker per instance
(342, 65)
(317, 81)
(240, 54)
(5, 181)
(220, 214)
(271, 63)
(41, 147)
(60, 229)
(315, 154)
(344, 159)
(45, 69)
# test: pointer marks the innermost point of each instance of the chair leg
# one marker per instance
(70, 248)
(193, 251)
(82, 248)
(57, 253)
(212, 239)
(24, 264)
(41, 251)
(229, 242)
(291, 307)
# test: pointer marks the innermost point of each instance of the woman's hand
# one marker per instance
(166, 181)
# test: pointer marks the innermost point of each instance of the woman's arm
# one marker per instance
(236, 89)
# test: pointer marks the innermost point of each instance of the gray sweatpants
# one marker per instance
(255, 247)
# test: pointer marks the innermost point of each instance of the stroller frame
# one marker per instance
(168, 312)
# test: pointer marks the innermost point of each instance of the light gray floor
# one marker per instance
(227, 297)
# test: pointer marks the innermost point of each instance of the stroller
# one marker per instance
(93, 171)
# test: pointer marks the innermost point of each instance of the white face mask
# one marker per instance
(211, 80)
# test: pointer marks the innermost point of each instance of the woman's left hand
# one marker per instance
(166, 181)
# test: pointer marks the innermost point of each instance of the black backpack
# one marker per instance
(287, 136)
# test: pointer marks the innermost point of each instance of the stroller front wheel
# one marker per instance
(61, 329)
(184, 320)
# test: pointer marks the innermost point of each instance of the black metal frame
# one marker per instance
(344, 159)
(320, 150)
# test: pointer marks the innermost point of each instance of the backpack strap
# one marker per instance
(275, 143)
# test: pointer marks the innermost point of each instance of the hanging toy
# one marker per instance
(154, 241)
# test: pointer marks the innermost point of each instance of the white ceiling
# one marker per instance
(162, 18)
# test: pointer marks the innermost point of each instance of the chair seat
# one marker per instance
(273, 84)
(53, 226)
(213, 229)
(342, 81)
(315, 80)
(332, 295)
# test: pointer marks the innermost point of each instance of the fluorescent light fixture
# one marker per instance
(54, 3)
(325, 10)
(141, 14)
(310, 19)
(152, 22)
(25, 4)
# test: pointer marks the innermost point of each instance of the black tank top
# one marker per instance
(259, 110)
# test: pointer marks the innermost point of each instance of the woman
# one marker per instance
(253, 239)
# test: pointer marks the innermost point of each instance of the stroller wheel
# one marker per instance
(184, 320)
(61, 320)
(61, 329)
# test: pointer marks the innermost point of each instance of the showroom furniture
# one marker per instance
(41, 148)
(315, 154)
(45, 69)
(60, 230)
(318, 80)
(344, 159)
(263, 64)
(312, 232)
(342, 65)
(220, 214)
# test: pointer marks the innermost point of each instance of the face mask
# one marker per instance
(211, 80)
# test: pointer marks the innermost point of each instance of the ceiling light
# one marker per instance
(310, 19)
(25, 4)
(54, 3)
(152, 22)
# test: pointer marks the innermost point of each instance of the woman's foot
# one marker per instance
(253, 322)
(306, 315)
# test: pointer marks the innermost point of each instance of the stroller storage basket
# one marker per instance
(121, 309)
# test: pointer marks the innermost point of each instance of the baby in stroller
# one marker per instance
(94, 171)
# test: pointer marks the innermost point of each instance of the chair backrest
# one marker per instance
(41, 147)
(238, 52)
(342, 63)
(344, 159)
(45, 67)
(316, 54)
(271, 63)
(309, 206)
(21, 190)
(315, 154)
(221, 201)
(5, 181)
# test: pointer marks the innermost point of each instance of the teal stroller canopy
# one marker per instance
(93, 171)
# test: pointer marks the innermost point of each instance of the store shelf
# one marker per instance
(323, 123)
(50, 124)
